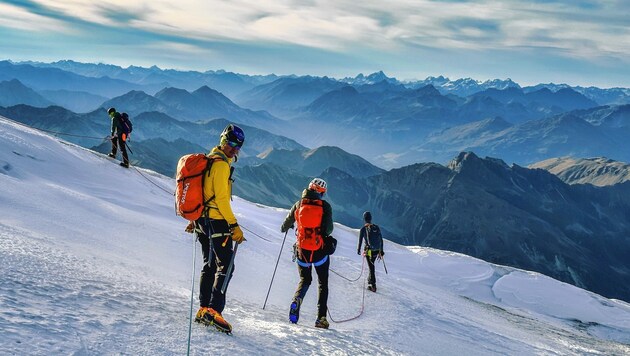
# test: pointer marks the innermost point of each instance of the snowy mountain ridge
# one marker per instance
(599, 171)
(95, 261)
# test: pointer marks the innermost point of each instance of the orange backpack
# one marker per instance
(191, 170)
(309, 220)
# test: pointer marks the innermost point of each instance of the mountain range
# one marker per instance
(228, 83)
(389, 122)
(482, 207)
(509, 215)
(600, 131)
(47, 78)
(90, 130)
(94, 261)
(348, 131)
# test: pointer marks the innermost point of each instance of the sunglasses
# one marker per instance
(235, 145)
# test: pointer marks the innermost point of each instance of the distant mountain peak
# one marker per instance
(458, 162)
(14, 92)
(172, 90)
(466, 161)
(206, 90)
(373, 78)
(427, 90)
(136, 93)
(598, 171)
(14, 82)
(501, 84)
(440, 78)
(326, 150)
(377, 76)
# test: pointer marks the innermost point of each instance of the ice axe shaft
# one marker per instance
(229, 270)
(384, 265)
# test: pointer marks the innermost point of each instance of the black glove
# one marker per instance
(282, 229)
(358, 252)
(190, 228)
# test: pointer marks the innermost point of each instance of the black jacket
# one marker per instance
(327, 218)
(371, 234)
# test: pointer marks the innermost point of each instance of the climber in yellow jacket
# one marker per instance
(217, 229)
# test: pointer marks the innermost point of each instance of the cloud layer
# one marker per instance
(397, 34)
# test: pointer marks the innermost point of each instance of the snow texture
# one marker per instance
(94, 261)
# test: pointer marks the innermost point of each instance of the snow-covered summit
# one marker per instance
(94, 261)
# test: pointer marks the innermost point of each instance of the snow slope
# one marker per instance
(94, 261)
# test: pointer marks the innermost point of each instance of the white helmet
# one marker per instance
(319, 185)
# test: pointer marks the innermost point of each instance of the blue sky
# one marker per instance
(578, 42)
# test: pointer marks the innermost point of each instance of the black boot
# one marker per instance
(322, 323)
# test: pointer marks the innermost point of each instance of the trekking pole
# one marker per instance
(384, 265)
(274, 270)
(129, 148)
(192, 290)
(229, 270)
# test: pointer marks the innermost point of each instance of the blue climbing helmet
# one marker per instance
(233, 135)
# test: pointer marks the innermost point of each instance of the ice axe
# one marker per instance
(384, 265)
(229, 270)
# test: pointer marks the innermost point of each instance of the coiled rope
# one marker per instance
(362, 296)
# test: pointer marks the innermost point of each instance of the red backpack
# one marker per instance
(191, 170)
(309, 220)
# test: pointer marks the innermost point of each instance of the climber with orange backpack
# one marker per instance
(313, 247)
(202, 196)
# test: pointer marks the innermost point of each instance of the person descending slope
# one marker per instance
(314, 224)
(371, 234)
(118, 137)
(217, 229)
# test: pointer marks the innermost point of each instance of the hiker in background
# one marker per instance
(371, 234)
(314, 224)
(118, 137)
(217, 228)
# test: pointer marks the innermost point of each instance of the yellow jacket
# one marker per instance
(217, 183)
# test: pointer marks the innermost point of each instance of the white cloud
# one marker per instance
(90, 11)
(20, 19)
(576, 29)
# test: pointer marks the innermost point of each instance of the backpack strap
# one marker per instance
(215, 156)
(367, 236)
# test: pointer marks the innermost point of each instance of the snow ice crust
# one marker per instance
(94, 261)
